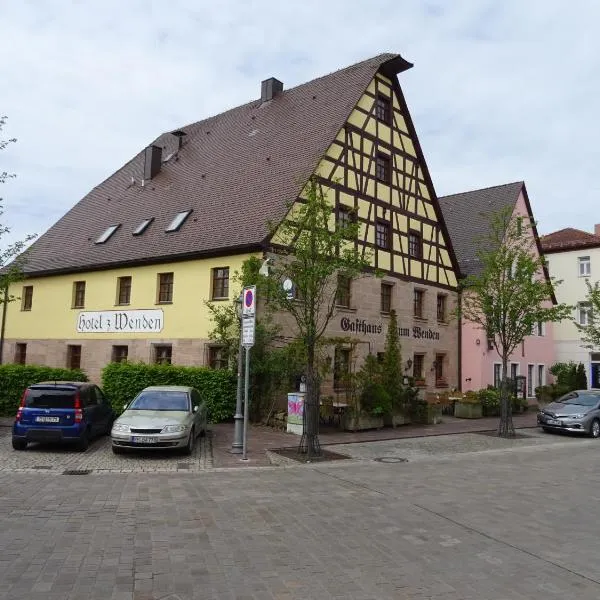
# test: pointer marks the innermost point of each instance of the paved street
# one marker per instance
(505, 523)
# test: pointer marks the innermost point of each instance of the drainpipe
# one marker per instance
(4, 305)
(460, 342)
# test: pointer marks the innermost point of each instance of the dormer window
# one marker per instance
(142, 226)
(107, 234)
(178, 221)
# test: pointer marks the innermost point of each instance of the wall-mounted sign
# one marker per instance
(364, 326)
(120, 321)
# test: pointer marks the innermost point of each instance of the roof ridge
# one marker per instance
(587, 233)
(490, 187)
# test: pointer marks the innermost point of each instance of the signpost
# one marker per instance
(248, 329)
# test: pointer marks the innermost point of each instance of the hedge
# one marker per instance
(15, 378)
(121, 382)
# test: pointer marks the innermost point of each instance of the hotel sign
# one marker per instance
(364, 326)
(120, 321)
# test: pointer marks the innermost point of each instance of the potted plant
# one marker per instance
(468, 407)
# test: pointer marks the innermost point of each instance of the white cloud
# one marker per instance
(499, 92)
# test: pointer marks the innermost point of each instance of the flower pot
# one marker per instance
(361, 422)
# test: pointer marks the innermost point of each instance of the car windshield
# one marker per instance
(161, 400)
(580, 399)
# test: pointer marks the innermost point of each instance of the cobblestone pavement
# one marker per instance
(512, 523)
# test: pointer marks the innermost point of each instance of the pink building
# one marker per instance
(466, 216)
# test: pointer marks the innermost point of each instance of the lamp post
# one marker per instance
(238, 432)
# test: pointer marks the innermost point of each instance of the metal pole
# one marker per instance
(246, 403)
(4, 307)
(236, 447)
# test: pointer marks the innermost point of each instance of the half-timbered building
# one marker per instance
(125, 273)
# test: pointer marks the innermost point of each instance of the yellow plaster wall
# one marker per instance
(51, 315)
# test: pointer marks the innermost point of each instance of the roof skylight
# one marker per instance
(178, 221)
(107, 234)
(142, 226)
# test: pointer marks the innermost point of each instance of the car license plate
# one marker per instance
(553, 422)
(143, 439)
(47, 419)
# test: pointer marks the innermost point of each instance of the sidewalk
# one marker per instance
(261, 438)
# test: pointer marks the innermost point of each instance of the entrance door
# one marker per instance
(595, 382)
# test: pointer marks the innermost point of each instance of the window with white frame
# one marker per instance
(585, 267)
(514, 370)
(541, 375)
(583, 313)
(530, 376)
(540, 329)
(497, 375)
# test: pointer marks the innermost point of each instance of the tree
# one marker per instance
(590, 333)
(581, 378)
(509, 295)
(12, 258)
(392, 364)
(319, 257)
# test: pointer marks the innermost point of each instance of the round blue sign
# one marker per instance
(249, 299)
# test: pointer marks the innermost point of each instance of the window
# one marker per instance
(20, 354)
(341, 368)
(165, 287)
(530, 376)
(497, 375)
(78, 294)
(541, 375)
(220, 283)
(441, 308)
(418, 298)
(217, 357)
(107, 234)
(344, 285)
(162, 354)
(540, 329)
(178, 221)
(585, 266)
(583, 313)
(386, 297)
(418, 361)
(415, 247)
(346, 217)
(382, 234)
(27, 298)
(382, 168)
(440, 378)
(73, 357)
(124, 290)
(142, 226)
(514, 371)
(383, 110)
(120, 353)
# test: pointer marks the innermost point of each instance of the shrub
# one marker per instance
(15, 378)
(375, 399)
(123, 381)
(490, 401)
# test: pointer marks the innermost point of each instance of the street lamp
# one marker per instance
(238, 432)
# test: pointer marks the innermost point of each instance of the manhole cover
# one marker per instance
(390, 459)
(41, 467)
(77, 472)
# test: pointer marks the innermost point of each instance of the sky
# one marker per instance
(499, 92)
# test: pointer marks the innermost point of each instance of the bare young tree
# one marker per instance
(590, 333)
(510, 295)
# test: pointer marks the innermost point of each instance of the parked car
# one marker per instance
(62, 411)
(577, 412)
(161, 417)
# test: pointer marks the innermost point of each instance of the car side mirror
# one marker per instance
(195, 409)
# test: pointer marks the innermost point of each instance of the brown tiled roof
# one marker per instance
(467, 219)
(236, 171)
(569, 239)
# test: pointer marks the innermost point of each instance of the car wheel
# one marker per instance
(19, 444)
(189, 447)
(84, 442)
(118, 450)
(595, 428)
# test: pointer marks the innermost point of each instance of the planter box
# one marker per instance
(468, 410)
(397, 420)
(360, 422)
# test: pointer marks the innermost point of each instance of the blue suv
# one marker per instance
(62, 411)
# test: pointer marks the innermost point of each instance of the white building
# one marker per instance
(574, 256)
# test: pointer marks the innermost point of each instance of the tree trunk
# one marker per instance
(309, 442)
(506, 428)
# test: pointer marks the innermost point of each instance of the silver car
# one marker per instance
(161, 417)
(577, 412)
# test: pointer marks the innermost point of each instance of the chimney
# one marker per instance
(152, 161)
(597, 229)
(269, 88)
